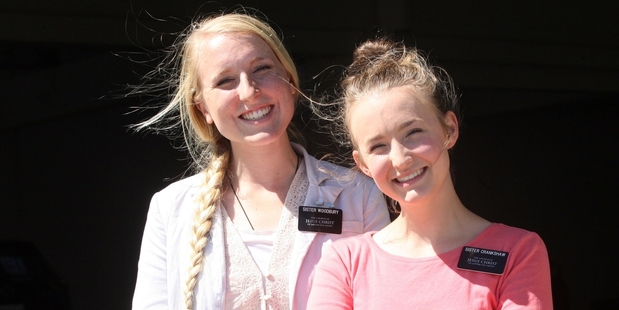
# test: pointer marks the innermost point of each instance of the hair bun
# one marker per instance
(369, 52)
(370, 49)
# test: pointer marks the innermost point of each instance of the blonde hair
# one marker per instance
(210, 151)
(379, 65)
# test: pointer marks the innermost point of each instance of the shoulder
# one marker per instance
(333, 173)
(507, 238)
(320, 170)
(351, 253)
(177, 193)
(511, 232)
(354, 245)
(182, 186)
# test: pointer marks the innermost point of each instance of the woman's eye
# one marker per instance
(375, 147)
(224, 81)
(262, 68)
(414, 131)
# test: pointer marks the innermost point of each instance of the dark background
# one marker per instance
(540, 94)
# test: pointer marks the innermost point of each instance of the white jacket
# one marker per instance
(164, 255)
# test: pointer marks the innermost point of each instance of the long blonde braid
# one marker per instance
(209, 194)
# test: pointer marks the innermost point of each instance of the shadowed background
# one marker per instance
(540, 94)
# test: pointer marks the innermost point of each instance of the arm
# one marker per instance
(527, 285)
(331, 288)
(151, 285)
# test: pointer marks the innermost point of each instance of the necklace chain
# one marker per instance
(239, 201)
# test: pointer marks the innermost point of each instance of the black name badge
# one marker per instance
(318, 219)
(482, 260)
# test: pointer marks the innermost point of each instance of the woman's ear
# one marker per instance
(202, 107)
(453, 130)
(362, 166)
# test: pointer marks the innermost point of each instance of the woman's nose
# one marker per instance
(247, 88)
(400, 157)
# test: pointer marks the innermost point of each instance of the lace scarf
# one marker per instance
(247, 287)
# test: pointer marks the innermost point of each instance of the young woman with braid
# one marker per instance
(401, 115)
(236, 234)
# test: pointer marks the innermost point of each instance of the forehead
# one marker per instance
(394, 103)
(387, 110)
(226, 39)
(231, 48)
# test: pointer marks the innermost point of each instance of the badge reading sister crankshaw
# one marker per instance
(482, 260)
(318, 219)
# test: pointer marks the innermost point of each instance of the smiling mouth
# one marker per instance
(411, 176)
(257, 114)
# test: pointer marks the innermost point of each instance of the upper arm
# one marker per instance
(151, 285)
(527, 286)
(331, 288)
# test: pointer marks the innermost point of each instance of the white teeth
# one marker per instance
(256, 115)
(404, 179)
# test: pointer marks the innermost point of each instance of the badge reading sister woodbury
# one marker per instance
(318, 219)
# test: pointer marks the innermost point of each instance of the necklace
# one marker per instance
(239, 201)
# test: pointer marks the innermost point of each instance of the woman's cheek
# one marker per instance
(427, 151)
(379, 166)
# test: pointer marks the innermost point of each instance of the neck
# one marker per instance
(431, 227)
(432, 220)
(268, 167)
(259, 182)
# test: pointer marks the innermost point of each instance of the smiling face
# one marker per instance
(244, 89)
(402, 144)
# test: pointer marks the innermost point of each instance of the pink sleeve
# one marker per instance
(331, 288)
(527, 284)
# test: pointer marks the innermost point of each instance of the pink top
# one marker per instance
(355, 273)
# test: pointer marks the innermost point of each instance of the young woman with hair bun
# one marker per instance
(401, 115)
